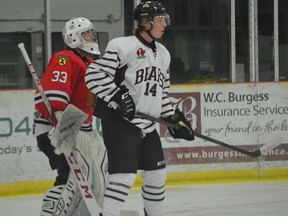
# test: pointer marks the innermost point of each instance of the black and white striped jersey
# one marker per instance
(142, 67)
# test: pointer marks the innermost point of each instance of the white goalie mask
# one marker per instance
(73, 35)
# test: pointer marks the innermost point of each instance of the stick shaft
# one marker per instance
(251, 154)
(72, 160)
(254, 154)
(35, 77)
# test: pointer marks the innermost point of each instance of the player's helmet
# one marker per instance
(72, 35)
(148, 10)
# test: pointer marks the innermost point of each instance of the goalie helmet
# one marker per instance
(148, 10)
(73, 35)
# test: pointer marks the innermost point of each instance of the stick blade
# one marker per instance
(255, 154)
(277, 140)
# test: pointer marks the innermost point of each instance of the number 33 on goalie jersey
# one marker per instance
(140, 66)
(64, 83)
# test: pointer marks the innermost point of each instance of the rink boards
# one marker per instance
(245, 115)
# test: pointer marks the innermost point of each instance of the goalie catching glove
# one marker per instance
(124, 100)
(183, 129)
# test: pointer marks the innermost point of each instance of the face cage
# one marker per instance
(89, 46)
(88, 33)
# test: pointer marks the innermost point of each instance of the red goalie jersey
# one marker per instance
(63, 83)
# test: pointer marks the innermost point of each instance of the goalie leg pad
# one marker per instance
(92, 158)
(50, 200)
(62, 200)
(94, 162)
(100, 168)
(153, 191)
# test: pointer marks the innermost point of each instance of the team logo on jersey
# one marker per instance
(63, 60)
(140, 53)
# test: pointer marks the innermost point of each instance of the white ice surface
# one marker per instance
(237, 199)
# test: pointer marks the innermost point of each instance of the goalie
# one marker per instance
(71, 101)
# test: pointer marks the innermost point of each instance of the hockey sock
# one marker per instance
(116, 193)
(153, 191)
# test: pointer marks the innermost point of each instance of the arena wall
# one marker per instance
(246, 115)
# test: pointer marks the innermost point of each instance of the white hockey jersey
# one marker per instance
(142, 67)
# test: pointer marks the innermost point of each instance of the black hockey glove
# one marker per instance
(125, 102)
(183, 128)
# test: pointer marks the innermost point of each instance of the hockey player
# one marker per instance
(133, 75)
(64, 84)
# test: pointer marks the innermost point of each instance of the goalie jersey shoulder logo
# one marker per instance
(63, 60)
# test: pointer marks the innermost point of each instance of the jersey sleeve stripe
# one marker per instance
(110, 53)
(167, 113)
(165, 105)
(53, 95)
(106, 66)
(109, 59)
(96, 78)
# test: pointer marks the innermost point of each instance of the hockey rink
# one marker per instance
(241, 199)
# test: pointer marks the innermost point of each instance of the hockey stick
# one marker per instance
(254, 154)
(72, 160)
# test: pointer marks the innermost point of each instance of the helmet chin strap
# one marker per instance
(149, 31)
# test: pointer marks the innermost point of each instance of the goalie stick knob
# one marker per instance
(21, 45)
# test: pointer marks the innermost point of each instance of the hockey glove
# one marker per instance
(125, 103)
(63, 137)
(183, 129)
